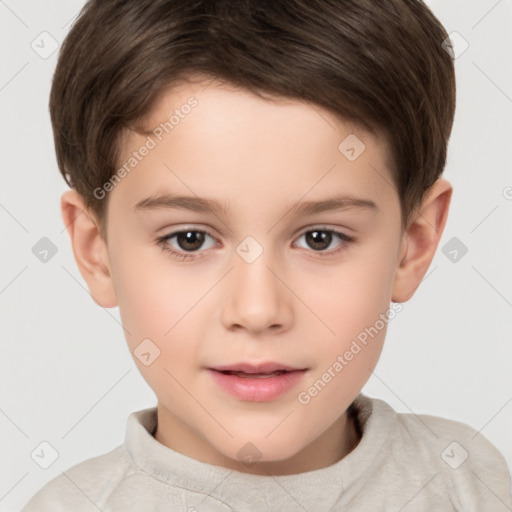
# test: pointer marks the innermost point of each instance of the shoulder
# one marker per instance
(81, 487)
(460, 444)
(466, 465)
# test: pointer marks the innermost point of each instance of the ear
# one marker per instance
(89, 248)
(420, 240)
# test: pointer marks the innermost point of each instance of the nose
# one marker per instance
(257, 299)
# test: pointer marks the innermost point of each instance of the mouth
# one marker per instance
(257, 382)
(245, 375)
(256, 371)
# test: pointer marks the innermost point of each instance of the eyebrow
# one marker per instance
(202, 205)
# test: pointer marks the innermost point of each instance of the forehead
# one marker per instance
(215, 140)
(236, 102)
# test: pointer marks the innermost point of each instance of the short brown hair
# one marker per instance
(379, 64)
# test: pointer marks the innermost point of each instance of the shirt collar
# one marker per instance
(312, 489)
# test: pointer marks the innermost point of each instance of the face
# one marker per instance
(253, 231)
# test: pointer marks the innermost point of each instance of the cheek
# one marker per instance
(158, 306)
(151, 297)
(353, 304)
(345, 360)
(158, 320)
(352, 298)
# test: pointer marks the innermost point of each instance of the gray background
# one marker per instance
(67, 376)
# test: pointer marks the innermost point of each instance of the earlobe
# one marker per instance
(89, 249)
(421, 239)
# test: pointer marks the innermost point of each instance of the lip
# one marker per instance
(267, 367)
(257, 389)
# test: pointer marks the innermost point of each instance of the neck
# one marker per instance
(330, 447)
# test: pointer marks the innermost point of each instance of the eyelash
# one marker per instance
(163, 243)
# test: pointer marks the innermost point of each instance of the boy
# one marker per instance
(257, 186)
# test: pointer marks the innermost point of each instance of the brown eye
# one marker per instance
(190, 240)
(319, 240)
(188, 243)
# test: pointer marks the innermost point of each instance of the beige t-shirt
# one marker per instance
(403, 463)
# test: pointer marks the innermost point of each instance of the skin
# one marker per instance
(294, 304)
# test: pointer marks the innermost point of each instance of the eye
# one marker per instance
(186, 241)
(185, 244)
(320, 239)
